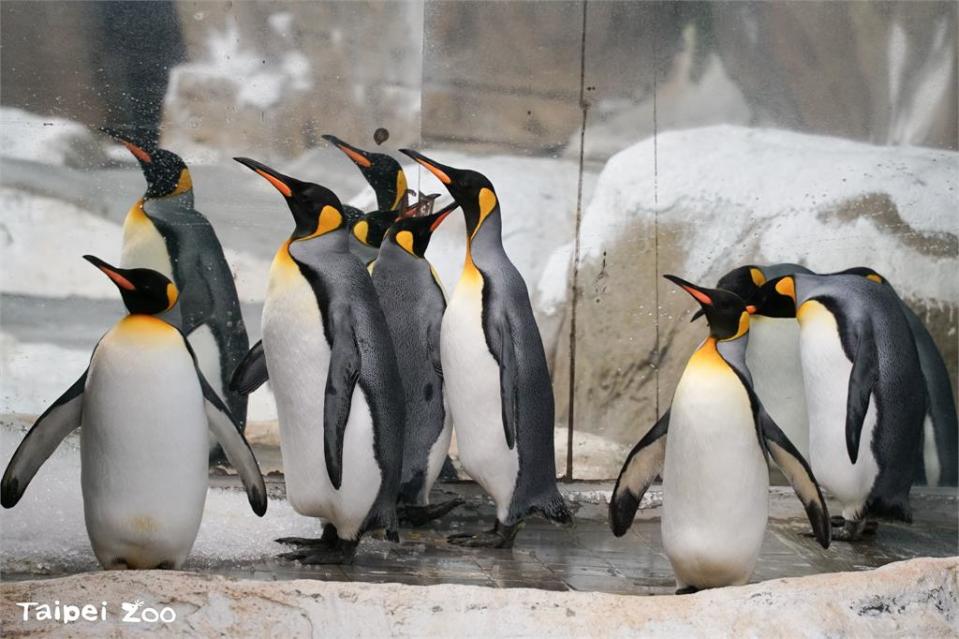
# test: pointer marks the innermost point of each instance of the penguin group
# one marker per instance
(853, 377)
(369, 365)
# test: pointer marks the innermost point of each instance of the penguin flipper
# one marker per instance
(865, 373)
(340, 384)
(58, 421)
(227, 432)
(642, 466)
(799, 474)
(251, 372)
(433, 347)
(501, 343)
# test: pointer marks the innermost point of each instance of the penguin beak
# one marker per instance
(359, 156)
(278, 180)
(138, 151)
(751, 309)
(442, 215)
(699, 294)
(441, 172)
(112, 272)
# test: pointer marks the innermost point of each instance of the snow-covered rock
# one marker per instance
(699, 202)
(918, 598)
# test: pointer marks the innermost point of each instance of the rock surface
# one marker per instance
(914, 598)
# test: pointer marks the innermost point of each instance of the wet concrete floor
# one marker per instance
(587, 557)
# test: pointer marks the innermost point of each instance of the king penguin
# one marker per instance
(381, 172)
(323, 328)
(865, 393)
(939, 465)
(773, 353)
(494, 368)
(143, 407)
(413, 301)
(163, 231)
(712, 447)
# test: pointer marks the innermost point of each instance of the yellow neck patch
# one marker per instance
(328, 220)
(758, 278)
(137, 214)
(743, 327)
(400, 189)
(487, 202)
(405, 239)
(707, 356)
(361, 230)
(184, 184)
(172, 295)
(787, 287)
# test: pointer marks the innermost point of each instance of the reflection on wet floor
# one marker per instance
(587, 557)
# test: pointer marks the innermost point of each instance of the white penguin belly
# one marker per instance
(715, 481)
(207, 353)
(298, 359)
(826, 373)
(437, 456)
(774, 361)
(472, 384)
(143, 444)
(143, 246)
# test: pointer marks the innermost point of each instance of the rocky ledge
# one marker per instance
(911, 598)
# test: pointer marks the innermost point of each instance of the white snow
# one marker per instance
(40, 138)
(778, 189)
(44, 264)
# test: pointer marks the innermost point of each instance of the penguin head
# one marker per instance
(144, 290)
(381, 171)
(413, 233)
(166, 173)
(371, 229)
(725, 311)
(775, 298)
(743, 281)
(316, 209)
(472, 190)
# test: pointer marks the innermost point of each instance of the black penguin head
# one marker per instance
(472, 190)
(166, 173)
(316, 209)
(725, 311)
(372, 228)
(743, 281)
(144, 290)
(413, 233)
(775, 298)
(381, 171)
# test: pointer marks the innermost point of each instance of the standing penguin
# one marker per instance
(145, 408)
(323, 329)
(714, 460)
(865, 393)
(164, 232)
(494, 366)
(413, 301)
(773, 353)
(939, 465)
(381, 171)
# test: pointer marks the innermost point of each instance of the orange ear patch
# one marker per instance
(137, 152)
(279, 184)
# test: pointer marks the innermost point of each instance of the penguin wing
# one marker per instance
(340, 383)
(227, 432)
(797, 471)
(251, 372)
(865, 373)
(433, 347)
(501, 344)
(58, 421)
(645, 461)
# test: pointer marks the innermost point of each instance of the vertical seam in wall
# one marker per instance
(571, 412)
(656, 213)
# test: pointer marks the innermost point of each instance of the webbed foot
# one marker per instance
(499, 537)
(418, 515)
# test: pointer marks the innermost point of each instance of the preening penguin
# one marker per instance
(413, 301)
(711, 447)
(324, 329)
(163, 231)
(144, 408)
(865, 393)
(494, 367)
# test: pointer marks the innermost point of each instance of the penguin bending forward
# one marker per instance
(163, 231)
(711, 448)
(865, 392)
(494, 368)
(413, 301)
(339, 396)
(144, 408)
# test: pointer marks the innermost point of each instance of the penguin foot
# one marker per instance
(418, 515)
(837, 521)
(499, 537)
(341, 553)
(851, 531)
(687, 590)
(328, 539)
